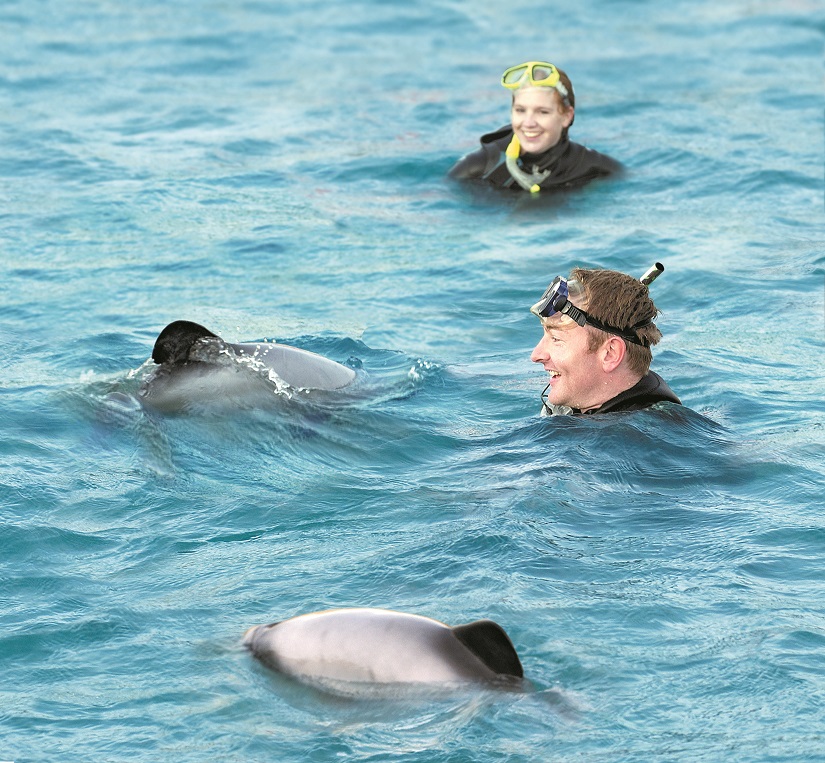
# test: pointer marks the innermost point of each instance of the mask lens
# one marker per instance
(553, 300)
(513, 76)
(543, 75)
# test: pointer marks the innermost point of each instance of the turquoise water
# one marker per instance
(276, 171)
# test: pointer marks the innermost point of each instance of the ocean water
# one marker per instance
(276, 171)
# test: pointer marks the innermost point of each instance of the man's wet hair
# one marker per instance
(620, 300)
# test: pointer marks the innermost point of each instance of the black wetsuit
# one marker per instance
(570, 164)
(649, 390)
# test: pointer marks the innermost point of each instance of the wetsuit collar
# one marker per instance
(650, 389)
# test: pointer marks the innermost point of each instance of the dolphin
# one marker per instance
(195, 363)
(381, 646)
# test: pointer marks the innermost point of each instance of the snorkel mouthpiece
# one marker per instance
(512, 151)
(652, 273)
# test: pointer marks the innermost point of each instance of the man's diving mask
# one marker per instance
(537, 74)
(556, 300)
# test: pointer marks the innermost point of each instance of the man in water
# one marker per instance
(598, 330)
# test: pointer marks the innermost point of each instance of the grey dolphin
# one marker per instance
(196, 363)
(380, 646)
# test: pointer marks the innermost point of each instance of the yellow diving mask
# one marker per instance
(535, 73)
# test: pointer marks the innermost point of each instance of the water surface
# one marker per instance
(276, 172)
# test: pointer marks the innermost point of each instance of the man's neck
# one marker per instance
(614, 385)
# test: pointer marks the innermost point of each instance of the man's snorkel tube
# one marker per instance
(652, 273)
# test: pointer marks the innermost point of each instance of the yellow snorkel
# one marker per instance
(529, 181)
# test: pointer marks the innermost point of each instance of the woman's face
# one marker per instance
(538, 118)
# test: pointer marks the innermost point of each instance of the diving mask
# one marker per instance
(556, 300)
(535, 73)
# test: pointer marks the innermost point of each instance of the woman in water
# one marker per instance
(534, 152)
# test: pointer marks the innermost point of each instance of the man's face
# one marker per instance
(576, 374)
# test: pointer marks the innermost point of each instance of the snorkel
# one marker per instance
(529, 181)
(652, 273)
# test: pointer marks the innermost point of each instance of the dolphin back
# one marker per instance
(488, 641)
(299, 368)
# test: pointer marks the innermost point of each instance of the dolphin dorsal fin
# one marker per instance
(488, 641)
(175, 341)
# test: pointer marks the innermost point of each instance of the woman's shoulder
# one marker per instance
(499, 138)
(594, 160)
(479, 162)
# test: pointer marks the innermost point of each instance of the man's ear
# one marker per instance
(612, 353)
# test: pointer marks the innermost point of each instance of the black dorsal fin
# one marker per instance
(175, 341)
(488, 641)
